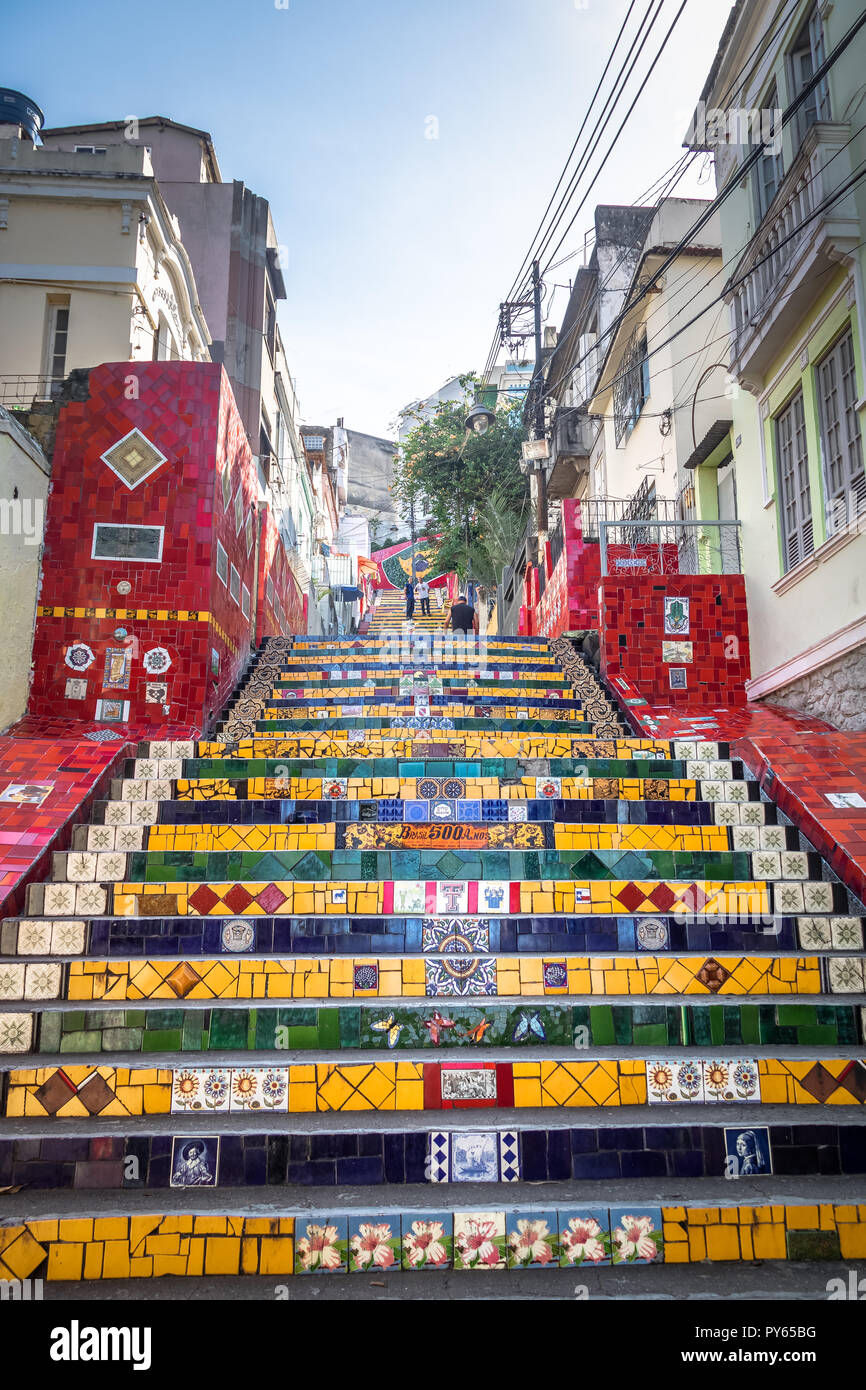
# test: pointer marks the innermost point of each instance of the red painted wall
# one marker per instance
(633, 634)
(179, 604)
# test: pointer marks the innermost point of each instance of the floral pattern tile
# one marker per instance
(374, 1244)
(427, 1240)
(674, 1080)
(321, 1245)
(636, 1235)
(583, 1237)
(731, 1079)
(479, 1240)
(532, 1239)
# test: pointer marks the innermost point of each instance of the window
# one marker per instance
(222, 564)
(770, 169)
(795, 500)
(841, 445)
(56, 336)
(88, 149)
(166, 347)
(245, 601)
(804, 59)
(270, 323)
(631, 388)
(127, 543)
(235, 586)
(239, 507)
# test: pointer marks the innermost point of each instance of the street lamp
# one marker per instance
(479, 419)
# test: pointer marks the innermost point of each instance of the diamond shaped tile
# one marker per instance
(133, 458)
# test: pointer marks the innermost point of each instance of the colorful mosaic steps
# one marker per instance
(185, 936)
(366, 924)
(395, 977)
(465, 1028)
(607, 1151)
(127, 1247)
(76, 1091)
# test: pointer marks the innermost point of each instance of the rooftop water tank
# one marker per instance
(17, 109)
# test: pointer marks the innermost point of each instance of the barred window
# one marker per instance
(795, 510)
(631, 388)
(841, 443)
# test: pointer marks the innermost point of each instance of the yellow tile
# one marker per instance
(222, 1255)
(769, 1241)
(65, 1261)
(722, 1243)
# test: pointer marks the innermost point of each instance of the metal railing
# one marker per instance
(670, 547)
(24, 390)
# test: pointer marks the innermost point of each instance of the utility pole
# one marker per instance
(412, 532)
(538, 479)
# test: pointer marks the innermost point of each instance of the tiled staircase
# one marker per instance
(389, 615)
(420, 964)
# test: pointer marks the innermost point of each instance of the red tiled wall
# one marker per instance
(633, 633)
(188, 412)
(570, 599)
(289, 618)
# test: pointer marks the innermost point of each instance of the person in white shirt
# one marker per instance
(422, 593)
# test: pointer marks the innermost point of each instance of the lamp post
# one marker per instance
(478, 420)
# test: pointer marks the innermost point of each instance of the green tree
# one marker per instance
(461, 478)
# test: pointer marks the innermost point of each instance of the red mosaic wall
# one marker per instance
(570, 599)
(712, 619)
(281, 605)
(179, 604)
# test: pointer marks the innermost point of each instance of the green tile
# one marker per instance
(50, 1031)
(228, 1029)
(655, 1034)
(602, 1024)
(717, 1023)
(162, 1018)
(795, 1014)
(192, 1033)
(350, 1026)
(162, 1040)
(73, 1021)
(329, 1028)
(304, 1038)
(701, 1030)
(750, 1023)
(122, 1039)
(84, 1041)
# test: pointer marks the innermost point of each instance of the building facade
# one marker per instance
(787, 146)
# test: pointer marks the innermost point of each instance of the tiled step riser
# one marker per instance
(181, 936)
(455, 1027)
(85, 1092)
(514, 1237)
(596, 1154)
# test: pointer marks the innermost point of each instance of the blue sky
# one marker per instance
(400, 247)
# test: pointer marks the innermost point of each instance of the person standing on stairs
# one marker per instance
(410, 600)
(422, 592)
(463, 617)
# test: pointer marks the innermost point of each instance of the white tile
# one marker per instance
(773, 837)
(90, 900)
(752, 813)
(34, 938)
(80, 867)
(129, 837)
(100, 838)
(788, 898)
(158, 791)
(16, 1032)
(117, 813)
(182, 748)
(110, 868)
(817, 897)
(674, 1080)
(68, 938)
(11, 980)
(726, 813)
(846, 933)
(794, 864)
(746, 837)
(42, 980)
(766, 864)
(845, 974)
(814, 933)
(59, 900)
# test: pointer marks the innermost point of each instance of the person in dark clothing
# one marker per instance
(410, 600)
(463, 617)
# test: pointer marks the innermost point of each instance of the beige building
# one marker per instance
(24, 475)
(792, 227)
(92, 267)
(661, 388)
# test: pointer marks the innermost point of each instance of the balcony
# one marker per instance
(573, 436)
(780, 277)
